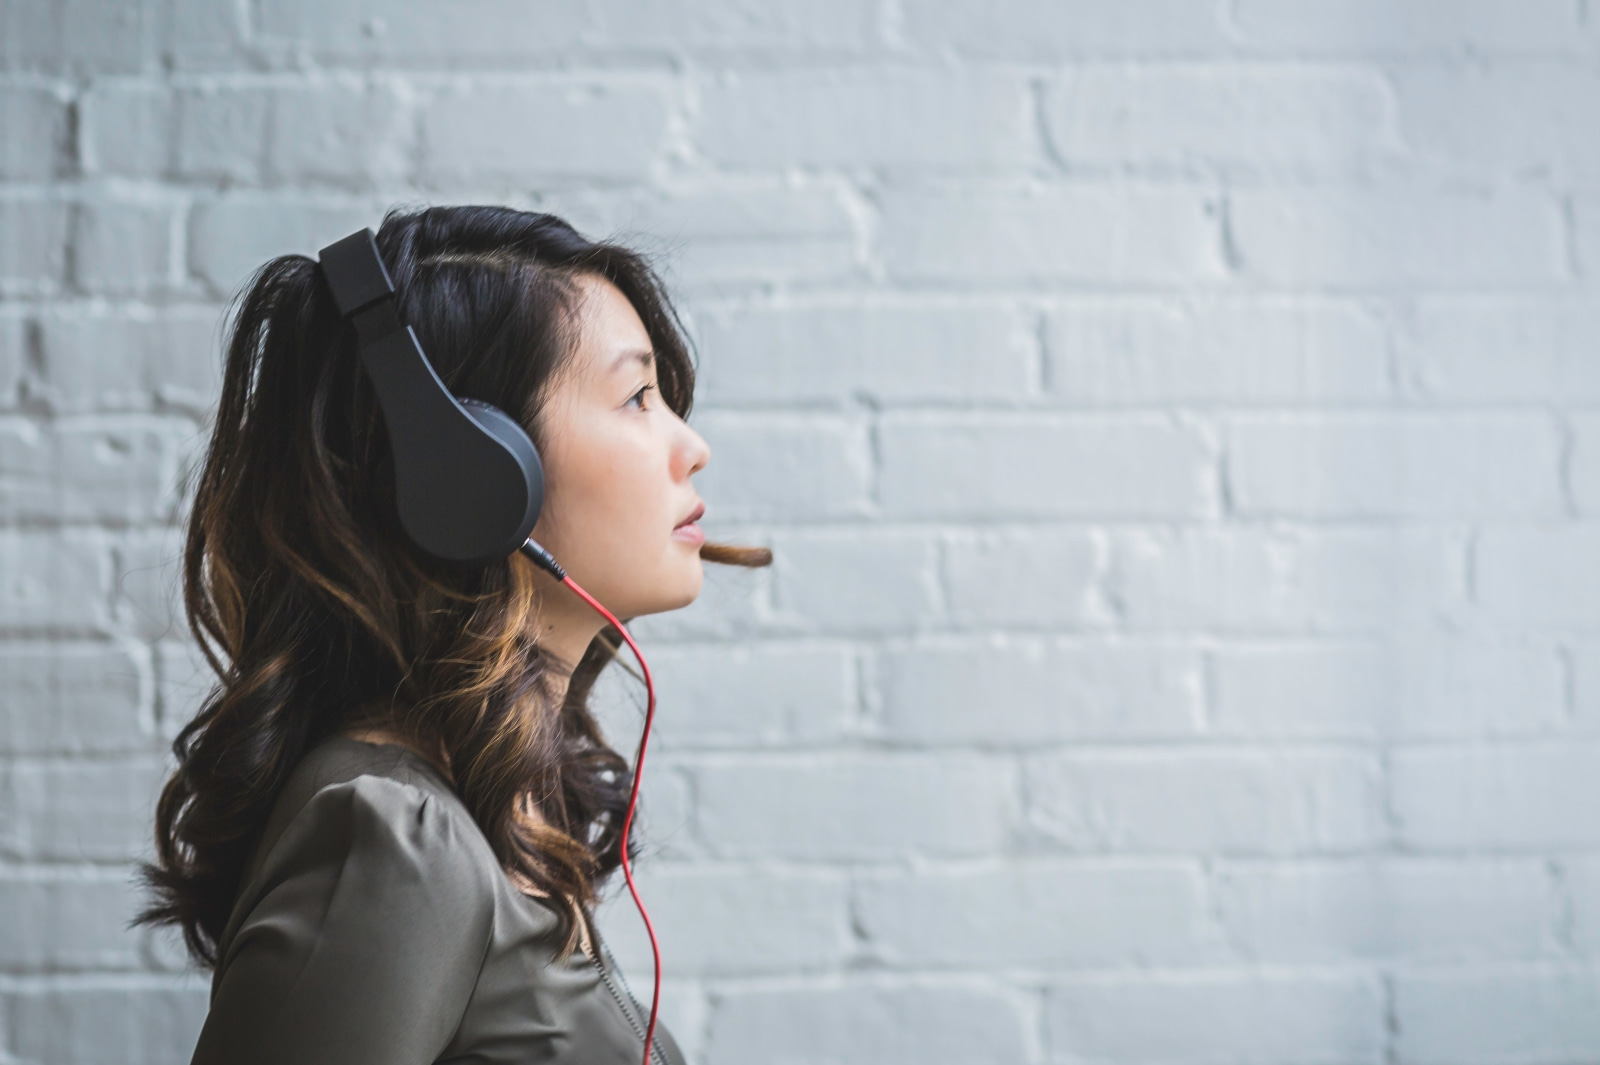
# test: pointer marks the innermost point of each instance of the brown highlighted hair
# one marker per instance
(316, 614)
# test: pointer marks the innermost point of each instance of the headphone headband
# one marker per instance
(468, 482)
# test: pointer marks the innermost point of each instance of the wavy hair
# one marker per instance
(315, 613)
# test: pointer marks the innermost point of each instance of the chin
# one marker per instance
(673, 594)
(689, 588)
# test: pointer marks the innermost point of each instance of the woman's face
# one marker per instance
(617, 463)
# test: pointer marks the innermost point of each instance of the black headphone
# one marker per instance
(468, 482)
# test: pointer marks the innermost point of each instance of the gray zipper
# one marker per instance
(656, 1053)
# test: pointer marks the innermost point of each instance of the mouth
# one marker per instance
(687, 530)
(694, 515)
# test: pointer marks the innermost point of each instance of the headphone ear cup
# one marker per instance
(504, 428)
(468, 483)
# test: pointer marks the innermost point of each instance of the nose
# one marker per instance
(694, 452)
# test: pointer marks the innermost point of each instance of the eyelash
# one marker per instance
(639, 395)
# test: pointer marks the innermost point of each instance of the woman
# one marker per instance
(391, 817)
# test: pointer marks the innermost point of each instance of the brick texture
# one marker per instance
(1177, 423)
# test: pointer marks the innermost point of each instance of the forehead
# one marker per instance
(610, 334)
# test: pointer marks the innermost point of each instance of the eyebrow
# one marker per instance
(646, 358)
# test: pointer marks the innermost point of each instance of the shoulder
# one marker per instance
(365, 922)
(384, 799)
(375, 820)
(339, 760)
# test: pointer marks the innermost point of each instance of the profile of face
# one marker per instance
(617, 464)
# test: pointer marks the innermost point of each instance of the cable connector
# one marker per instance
(543, 559)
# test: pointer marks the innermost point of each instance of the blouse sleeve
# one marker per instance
(372, 922)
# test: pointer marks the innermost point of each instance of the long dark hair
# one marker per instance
(312, 609)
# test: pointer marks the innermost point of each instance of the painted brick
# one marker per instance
(913, 119)
(1583, 662)
(773, 922)
(1383, 465)
(1583, 468)
(1477, 349)
(1540, 576)
(1249, 579)
(75, 698)
(863, 1023)
(15, 330)
(69, 921)
(776, 694)
(1044, 466)
(1407, 688)
(1217, 1016)
(1046, 913)
(735, 26)
(123, 248)
(1520, 799)
(341, 132)
(231, 238)
(774, 467)
(126, 129)
(220, 134)
(33, 251)
(855, 807)
(729, 239)
(493, 32)
(1028, 576)
(77, 811)
(146, 599)
(517, 133)
(1101, 236)
(1585, 210)
(89, 471)
(183, 680)
(95, 359)
(133, 1020)
(1407, 27)
(1383, 239)
(198, 35)
(665, 816)
(53, 580)
(35, 142)
(483, 31)
(1251, 121)
(1478, 1018)
(881, 354)
(1579, 874)
(1112, 352)
(1043, 31)
(1417, 909)
(1024, 691)
(1207, 801)
(1523, 118)
(889, 578)
(78, 37)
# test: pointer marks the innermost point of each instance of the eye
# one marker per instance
(639, 395)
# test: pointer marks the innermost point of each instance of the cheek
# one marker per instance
(607, 490)
(611, 509)
(624, 480)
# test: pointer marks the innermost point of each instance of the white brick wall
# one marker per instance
(1177, 422)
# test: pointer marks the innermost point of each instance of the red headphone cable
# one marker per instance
(546, 562)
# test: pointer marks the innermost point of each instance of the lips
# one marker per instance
(694, 515)
(687, 531)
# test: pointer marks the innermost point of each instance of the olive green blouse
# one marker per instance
(376, 926)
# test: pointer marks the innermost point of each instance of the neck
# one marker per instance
(564, 627)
